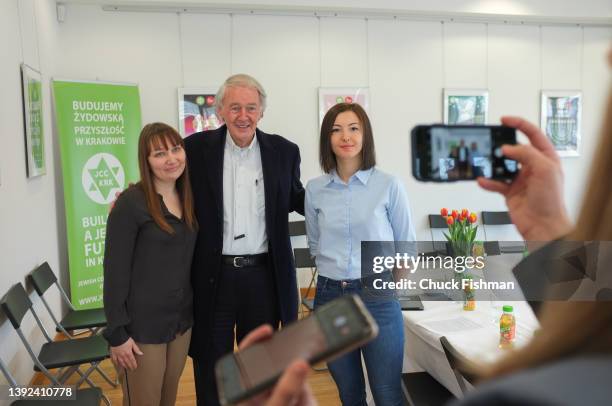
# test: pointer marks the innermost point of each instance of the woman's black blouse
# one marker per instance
(147, 282)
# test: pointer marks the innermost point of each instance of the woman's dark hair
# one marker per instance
(327, 158)
(159, 136)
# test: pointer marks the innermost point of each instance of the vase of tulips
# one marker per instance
(461, 234)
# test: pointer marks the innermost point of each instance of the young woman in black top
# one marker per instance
(148, 299)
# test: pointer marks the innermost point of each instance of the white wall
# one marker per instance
(28, 207)
(405, 64)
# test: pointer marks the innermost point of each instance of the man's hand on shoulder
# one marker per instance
(111, 206)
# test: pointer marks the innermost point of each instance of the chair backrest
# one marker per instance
(437, 226)
(15, 304)
(297, 228)
(492, 247)
(497, 226)
(42, 278)
(437, 221)
(457, 363)
(496, 218)
(303, 258)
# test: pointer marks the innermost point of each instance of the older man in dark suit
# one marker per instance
(245, 183)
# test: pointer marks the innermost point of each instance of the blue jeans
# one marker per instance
(383, 356)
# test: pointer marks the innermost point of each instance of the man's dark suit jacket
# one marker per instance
(284, 193)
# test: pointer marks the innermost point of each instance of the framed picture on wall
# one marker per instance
(466, 106)
(330, 96)
(196, 110)
(31, 88)
(560, 119)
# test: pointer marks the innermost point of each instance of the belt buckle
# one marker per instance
(236, 262)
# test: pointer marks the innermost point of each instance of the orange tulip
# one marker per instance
(472, 219)
(464, 213)
(444, 212)
(455, 214)
(450, 220)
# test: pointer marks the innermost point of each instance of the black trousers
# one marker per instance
(246, 299)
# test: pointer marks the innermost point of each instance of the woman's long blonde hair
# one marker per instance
(571, 327)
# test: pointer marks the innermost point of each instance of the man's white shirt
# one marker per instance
(244, 207)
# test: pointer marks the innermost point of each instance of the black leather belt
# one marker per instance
(242, 261)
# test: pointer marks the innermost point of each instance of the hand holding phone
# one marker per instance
(448, 153)
(535, 198)
(332, 330)
(292, 387)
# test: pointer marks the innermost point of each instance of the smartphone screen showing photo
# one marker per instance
(461, 153)
(449, 153)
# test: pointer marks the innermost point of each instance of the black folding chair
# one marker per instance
(458, 364)
(422, 389)
(500, 218)
(84, 397)
(437, 222)
(304, 260)
(496, 218)
(93, 320)
(66, 356)
(297, 228)
(492, 247)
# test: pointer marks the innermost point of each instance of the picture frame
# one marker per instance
(561, 120)
(31, 91)
(466, 106)
(196, 110)
(330, 96)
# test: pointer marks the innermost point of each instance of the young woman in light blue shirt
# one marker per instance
(354, 202)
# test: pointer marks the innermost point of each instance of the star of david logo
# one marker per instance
(104, 178)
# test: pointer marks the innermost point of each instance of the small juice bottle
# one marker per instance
(469, 301)
(507, 328)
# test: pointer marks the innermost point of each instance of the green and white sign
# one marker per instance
(98, 126)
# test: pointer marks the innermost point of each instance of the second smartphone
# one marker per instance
(333, 329)
(447, 153)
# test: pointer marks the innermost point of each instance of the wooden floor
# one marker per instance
(321, 383)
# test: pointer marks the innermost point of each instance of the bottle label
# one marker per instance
(507, 332)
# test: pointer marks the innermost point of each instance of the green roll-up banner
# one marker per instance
(98, 126)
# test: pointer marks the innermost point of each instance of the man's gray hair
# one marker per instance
(241, 80)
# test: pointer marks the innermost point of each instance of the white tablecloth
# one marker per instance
(475, 334)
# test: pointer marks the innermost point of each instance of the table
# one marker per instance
(475, 334)
(477, 339)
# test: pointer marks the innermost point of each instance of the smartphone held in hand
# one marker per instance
(332, 330)
(447, 153)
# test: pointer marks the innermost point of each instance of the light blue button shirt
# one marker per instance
(372, 206)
